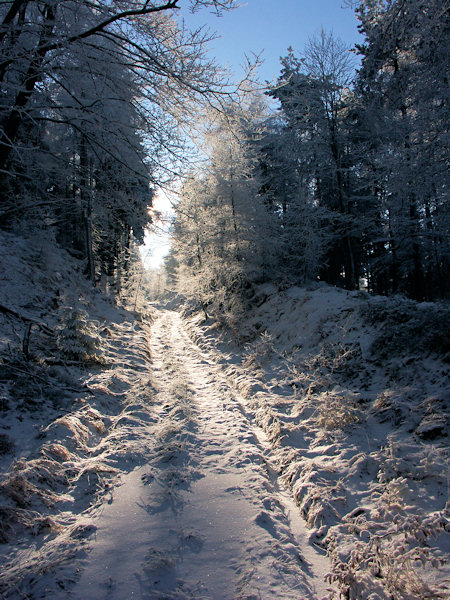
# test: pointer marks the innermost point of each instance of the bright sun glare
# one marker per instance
(157, 238)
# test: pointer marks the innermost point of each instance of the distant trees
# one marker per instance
(347, 183)
(222, 234)
(94, 97)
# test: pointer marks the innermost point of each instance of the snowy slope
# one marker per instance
(353, 392)
(133, 472)
(68, 420)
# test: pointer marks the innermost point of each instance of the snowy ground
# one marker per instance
(136, 473)
(353, 394)
(173, 462)
(69, 427)
(205, 518)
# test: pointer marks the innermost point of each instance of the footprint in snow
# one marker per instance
(265, 521)
(191, 540)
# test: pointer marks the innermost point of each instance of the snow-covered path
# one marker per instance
(206, 518)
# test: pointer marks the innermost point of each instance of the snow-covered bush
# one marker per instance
(336, 411)
(261, 350)
(404, 325)
(77, 337)
(395, 559)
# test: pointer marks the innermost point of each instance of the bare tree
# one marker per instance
(37, 39)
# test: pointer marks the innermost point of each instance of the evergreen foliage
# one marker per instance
(77, 337)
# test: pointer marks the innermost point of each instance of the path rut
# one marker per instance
(205, 519)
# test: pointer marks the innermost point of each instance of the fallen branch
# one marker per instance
(26, 340)
(9, 311)
(84, 387)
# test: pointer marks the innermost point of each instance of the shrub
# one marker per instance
(78, 338)
(406, 326)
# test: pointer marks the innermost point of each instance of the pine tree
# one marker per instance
(77, 337)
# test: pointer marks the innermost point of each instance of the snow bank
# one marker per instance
(75, 397)
(352, 391)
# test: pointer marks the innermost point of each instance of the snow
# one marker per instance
(189, 464)
(358, 421)
(203, 519)
(69, 428)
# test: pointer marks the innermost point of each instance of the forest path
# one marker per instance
(206, 518)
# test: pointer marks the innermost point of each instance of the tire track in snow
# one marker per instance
(205, 519)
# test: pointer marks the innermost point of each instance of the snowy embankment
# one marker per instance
(74, 391)
(353, 393)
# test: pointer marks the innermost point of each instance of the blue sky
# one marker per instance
(271, 26)
(259, 25)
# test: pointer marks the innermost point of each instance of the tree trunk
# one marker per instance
(349, 255)
(416, 279)
(394, 260)
(233, 209)
(86, 201)
(19, 7)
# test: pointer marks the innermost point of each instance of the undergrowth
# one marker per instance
(78, 338)
(407, 327)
